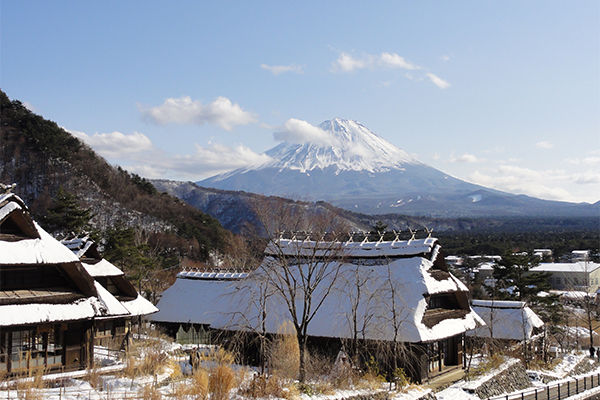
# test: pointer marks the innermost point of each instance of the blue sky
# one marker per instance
(503, 94)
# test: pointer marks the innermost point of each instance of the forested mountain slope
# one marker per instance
(43, 160)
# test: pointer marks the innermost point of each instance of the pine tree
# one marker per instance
(66, 215)
(513, 274)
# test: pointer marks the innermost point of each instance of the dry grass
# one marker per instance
(149, 392)
(93, 377)
(263, 386)
(221, 380)
(284, 357)
(492, 362)
(147, 357)
(29, 389)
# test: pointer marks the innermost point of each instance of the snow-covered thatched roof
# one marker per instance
(135, 304)
(29, 243)
(511, 320)
(415, 269)
(26, 247)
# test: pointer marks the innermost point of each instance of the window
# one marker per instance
(20, 349)
(558, 280)
(54, 349)
(104, 329)
(3, 352)
(36, 347)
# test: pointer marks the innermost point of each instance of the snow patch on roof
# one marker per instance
(139, 306)
(113, 307)
(24, 314)
(102, 268)
(45, 250)
(580, 266)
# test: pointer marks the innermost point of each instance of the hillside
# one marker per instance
(459, 235)
(42, 158)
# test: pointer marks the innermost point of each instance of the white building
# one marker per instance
(505, 320)
(581, 275)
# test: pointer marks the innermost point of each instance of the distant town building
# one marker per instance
(581, 275)
(542, 253)
(580, 255)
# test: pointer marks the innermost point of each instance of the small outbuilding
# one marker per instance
(505, 320)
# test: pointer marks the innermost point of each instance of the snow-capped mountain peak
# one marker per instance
(344, 144)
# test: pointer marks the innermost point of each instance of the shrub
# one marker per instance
(221, 381)
(149, 392)
(284, 357)
(93, 376)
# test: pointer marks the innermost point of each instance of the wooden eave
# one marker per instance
(126, 289)
(39, 296)
(23, 222)
(77, 273)
(437, 315)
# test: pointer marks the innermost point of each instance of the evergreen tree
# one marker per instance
(513, 275)
(66, 215)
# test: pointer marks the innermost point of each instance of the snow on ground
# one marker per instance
(112, 385)
(458, 390)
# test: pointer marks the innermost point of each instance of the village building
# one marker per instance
(580, 255)
(505, 320)
(578, 276)
(49, 304)
(429, 316)
(543, 254)
(110, 331)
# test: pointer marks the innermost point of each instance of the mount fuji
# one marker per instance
(351, 167)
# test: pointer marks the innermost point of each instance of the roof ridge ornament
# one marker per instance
(412, 235)
(397, 238)
(429, 232)
(6, 189)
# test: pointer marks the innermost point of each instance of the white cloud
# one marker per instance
(280, 69)
(555, 184)
(348, 63)
(392, 60)
(298, 131)
(445, 58)
(116, 144)
(142, 157)
(588, 178)
(591, 161)
(215, 158)
(544, 145)
(436, 156)
(221, 112)
(522, 183)
(465, 158)
(437, 81)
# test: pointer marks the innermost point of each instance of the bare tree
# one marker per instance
(301, 271)
(357, 285)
